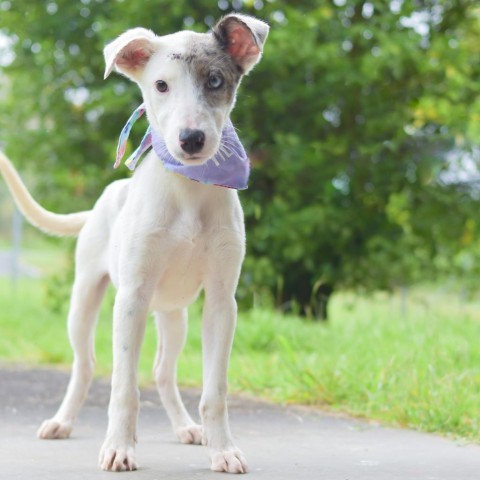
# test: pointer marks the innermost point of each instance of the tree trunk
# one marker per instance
(319, 302)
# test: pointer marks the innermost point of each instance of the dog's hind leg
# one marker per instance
(172, 330)
(87, 295)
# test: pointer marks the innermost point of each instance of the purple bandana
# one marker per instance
(230, 166)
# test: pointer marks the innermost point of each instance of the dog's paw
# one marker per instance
(54, 429)
(191, 434)
(117, 459)
(230, 461)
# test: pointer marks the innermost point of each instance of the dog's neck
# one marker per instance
(230, 167)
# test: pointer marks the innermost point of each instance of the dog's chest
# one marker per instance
(185, 251)
(178, 237)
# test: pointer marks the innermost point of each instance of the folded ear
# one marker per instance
(130, 52)
(242, 37)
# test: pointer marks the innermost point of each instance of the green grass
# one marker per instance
(48, 254)
(420, 369)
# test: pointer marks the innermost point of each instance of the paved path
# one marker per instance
(279, 443)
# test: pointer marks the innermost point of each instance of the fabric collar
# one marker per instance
(229, 167)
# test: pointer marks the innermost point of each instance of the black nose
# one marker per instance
(191, 141)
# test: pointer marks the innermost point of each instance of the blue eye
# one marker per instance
(215, 81)
(161, 86)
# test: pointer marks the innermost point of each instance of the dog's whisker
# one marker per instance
(228, 141)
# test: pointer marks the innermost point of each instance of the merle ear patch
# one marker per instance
(242, 37)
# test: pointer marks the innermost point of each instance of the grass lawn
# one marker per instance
(419, 369)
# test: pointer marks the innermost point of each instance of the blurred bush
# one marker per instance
(362, 121)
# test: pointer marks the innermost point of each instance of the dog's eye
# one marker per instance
(215, 80)
(161, 86)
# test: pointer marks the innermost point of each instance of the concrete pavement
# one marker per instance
(279, 443)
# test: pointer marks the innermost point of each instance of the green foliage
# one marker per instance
(349, 120)
(364, 111)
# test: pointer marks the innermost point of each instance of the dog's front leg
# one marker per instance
(129, 317)
(220, 312)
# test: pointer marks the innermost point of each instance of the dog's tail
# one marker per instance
(48, 222)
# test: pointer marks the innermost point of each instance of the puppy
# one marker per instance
(162, 236)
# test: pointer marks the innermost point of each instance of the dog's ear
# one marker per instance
(130, 52)
(242, 37)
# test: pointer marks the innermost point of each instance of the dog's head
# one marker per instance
(189, 80)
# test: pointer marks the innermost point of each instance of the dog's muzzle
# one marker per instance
(229, 167)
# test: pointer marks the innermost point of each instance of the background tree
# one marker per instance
(354, 120)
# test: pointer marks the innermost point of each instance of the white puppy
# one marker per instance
(161, 238)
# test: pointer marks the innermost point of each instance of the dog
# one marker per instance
(161, 238)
